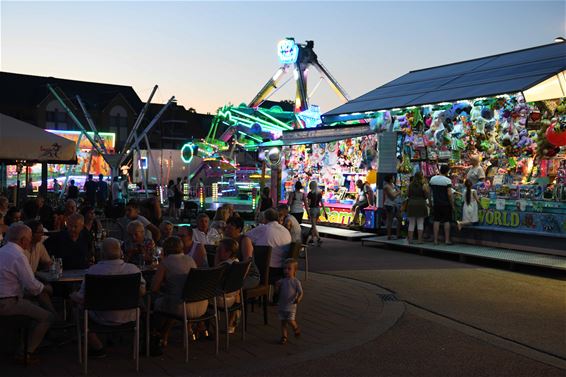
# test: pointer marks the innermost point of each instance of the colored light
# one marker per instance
(186, 191)
(188, 152)
(215, 192)
(201, 197)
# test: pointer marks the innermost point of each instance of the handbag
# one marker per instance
(404, 205)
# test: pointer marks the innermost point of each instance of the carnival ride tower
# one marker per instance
(297, 58)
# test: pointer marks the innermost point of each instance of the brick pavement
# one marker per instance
(336, 314)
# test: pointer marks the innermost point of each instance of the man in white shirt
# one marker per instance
(290, 223)
(111, 264)
(37, 254)
(16, 278)
(203, 234)
(273, 234)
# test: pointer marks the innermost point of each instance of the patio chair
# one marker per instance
(233, 281)
(262, 256)
(201, 284)
(190, 210)
(109, 293)
(300, 251)
(210, 254)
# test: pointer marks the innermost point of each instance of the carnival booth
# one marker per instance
(498, 121)
(334, 157)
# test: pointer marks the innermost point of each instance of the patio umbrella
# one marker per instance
(21, 141)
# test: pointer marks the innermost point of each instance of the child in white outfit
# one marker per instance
(290, 294)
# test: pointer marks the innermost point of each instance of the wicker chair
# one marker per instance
(262, 256)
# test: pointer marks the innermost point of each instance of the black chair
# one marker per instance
(210, 254)
(109, 293)
(190, 210)
(233, 282)
(297, 251)
(201, 284)
(262, 257)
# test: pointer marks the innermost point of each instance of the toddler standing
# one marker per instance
(290, 294)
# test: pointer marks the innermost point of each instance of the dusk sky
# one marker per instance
(210, 53)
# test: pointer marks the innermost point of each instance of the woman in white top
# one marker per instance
(297, 202)
(470, 208)
(191, 247)
(169, 282)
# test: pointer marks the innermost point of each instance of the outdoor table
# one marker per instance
(68, 276)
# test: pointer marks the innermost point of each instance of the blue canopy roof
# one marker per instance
(493, 75)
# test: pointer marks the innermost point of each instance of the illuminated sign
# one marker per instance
(287, 51)
(334, 215)
(108, 138)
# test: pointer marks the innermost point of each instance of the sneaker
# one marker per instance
(97, 354)
(319, 242)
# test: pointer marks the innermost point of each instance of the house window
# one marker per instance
(118, 123)
(56, 117)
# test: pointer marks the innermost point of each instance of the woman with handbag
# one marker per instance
(417, 208)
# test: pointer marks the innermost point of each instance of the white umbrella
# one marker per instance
(25, 142)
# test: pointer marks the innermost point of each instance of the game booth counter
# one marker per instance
(334, 157)
(507, 112)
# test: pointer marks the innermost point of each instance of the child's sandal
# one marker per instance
(297, 332)
(283, 340)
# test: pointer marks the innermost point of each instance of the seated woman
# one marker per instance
(166, 230)
(168, 284)
(191, 247)
(92, 224)
(219, 221)
(227, 253)
(138, 248)
(233, 230)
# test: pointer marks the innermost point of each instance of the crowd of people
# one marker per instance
(433, 200)
(35, 235)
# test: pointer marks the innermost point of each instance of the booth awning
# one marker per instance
(319, 135)
(493, 75)
(21, 141)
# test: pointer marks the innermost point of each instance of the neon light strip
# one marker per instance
(251, 137)
(259, 120)
(281, 124)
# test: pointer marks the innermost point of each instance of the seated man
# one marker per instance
(16, 278)
(204, 234)
(37, 254)
(290, 222)
(111, 264)
(74, 244)
(364, 199)
(133, 214)
(273, 234)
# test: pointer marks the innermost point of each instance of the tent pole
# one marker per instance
(43, 186)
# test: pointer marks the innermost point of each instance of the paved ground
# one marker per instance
(445, 318)
(527, 308)
(336, 315)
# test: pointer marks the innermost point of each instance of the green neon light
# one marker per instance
(189, 148)
(275, 120)
(251, 137)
